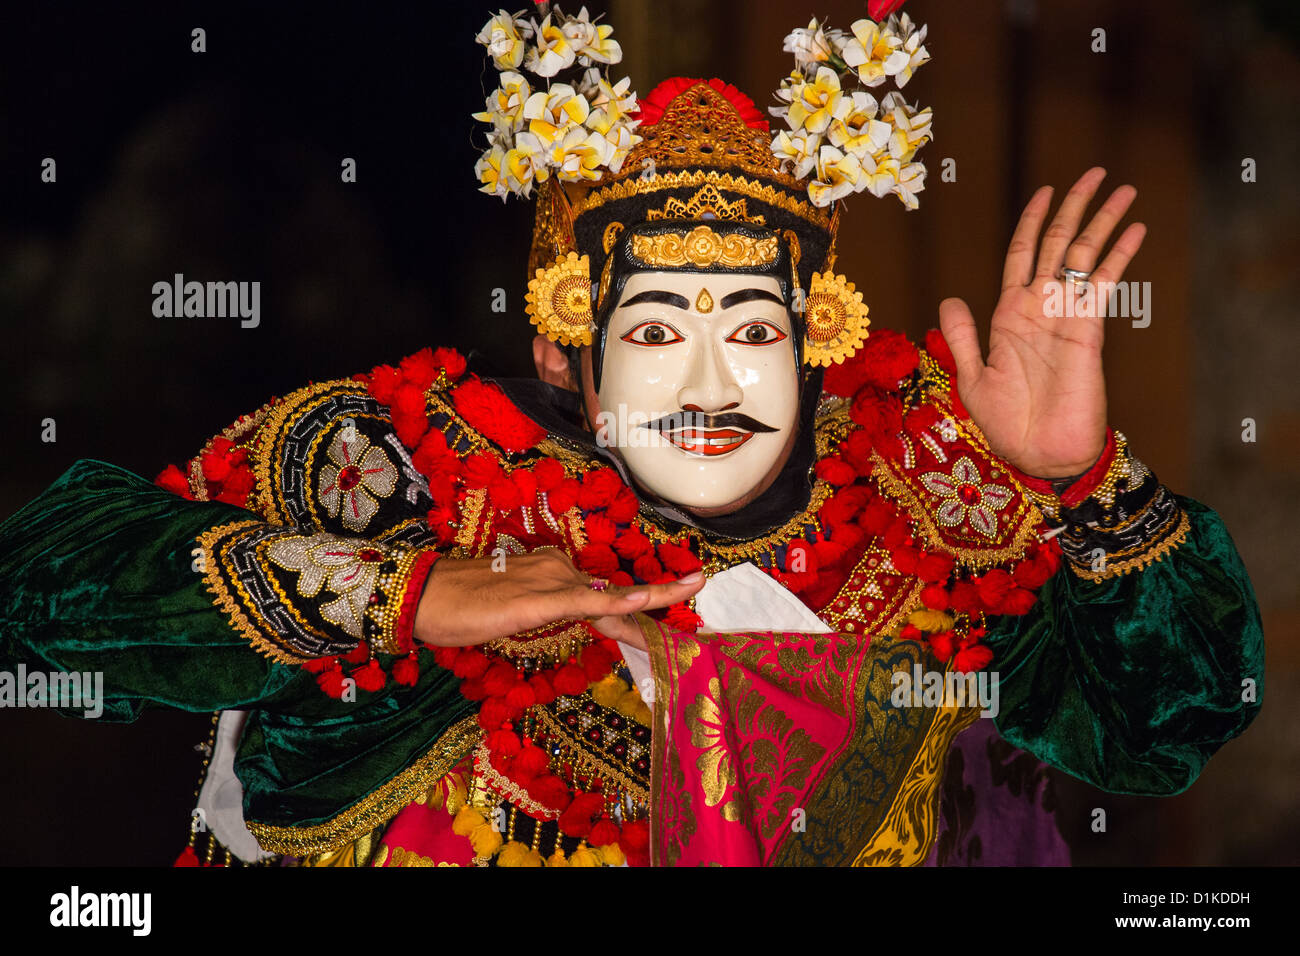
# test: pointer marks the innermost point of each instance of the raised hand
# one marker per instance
(468, 602)
(1040, 397)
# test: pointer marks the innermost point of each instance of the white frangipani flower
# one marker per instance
(814, 102)
(838, 174)
(504, 36)
(551, 112)
(911, 180)
(812, 44)
(912, 44)
(591, 41)
(799, 147)
(841, 136)
(505, 105)
(553, 51)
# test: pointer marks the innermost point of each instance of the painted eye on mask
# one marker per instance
(757, 333)
(653, 333)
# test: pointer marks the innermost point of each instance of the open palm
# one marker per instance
(1040, 396)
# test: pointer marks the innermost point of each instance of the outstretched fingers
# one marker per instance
(1065, 226)
(1126, 247)
(1019, 267)
(1085, 251)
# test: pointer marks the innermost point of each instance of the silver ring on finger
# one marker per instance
(1076, 277)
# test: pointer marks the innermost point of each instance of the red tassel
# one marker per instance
(407, 671)
(187, 858)
(570, 680)
(371, 677)
(503, 742)
(531, 761)
(331, 682)
(603, 833)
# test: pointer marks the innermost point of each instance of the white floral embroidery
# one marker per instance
(359, 473)
(967, 498)
(348, 567)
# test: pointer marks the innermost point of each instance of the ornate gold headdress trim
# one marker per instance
(685, 178)
(706, 201)
(704, 247)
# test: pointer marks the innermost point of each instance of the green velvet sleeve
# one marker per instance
(98, 578)
(1132, 682)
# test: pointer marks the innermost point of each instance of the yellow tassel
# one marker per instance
(628, 703)
(607, 691)
(930, 620)
(643, 714)
(467, 818)
(612, 855)
(584, 856)
(557, 858)
(515, 853)
(485, 839)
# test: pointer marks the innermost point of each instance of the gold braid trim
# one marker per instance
(1149, 554)
(911, 824)
(262, 454)
(488, 776)
(547, 639)
(604, 769)
(208, 542)
(379, 806)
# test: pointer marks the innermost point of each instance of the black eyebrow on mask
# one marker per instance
(749, 295)
(656, 295)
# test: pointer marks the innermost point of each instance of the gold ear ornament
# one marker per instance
(559, 300)
(835, 320)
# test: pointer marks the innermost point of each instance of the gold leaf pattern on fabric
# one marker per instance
(707, 725)
(813, 666)
(776, 758)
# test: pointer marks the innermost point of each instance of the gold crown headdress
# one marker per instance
(698, 151)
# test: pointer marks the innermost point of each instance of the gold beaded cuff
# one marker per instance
(390, 611)
(1115, 522)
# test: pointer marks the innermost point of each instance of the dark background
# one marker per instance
(225, 165)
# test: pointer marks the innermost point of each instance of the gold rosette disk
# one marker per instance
(559, 300)
(835, 320)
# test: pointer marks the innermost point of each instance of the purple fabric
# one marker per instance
(996, 806)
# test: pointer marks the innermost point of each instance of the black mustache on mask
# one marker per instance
(707, 420)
